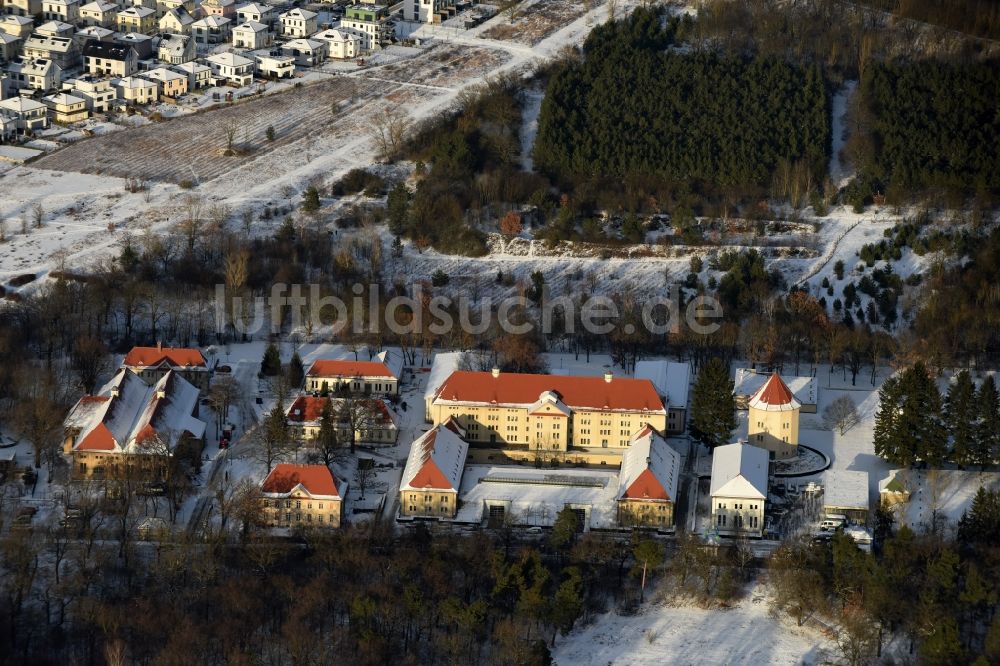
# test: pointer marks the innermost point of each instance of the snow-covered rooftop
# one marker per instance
(748, 381)
(536, 496)
(845, 489)
(671, 379)
(740, 470)
(650, 468)
(443, 365)
(435, 461)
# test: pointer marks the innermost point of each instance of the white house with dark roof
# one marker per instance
(433, 474)
(109, 59)
(128, 416)
(648, 482)
(739, 487)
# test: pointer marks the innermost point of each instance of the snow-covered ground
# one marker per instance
(662, 634)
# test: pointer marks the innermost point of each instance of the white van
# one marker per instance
(831, 523)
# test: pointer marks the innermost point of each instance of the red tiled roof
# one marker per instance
(316, 479)
(306, 408)
(310, 408)
(576, 392)
(774, 392)
(328, 368)
(429, 475)
(646, 486)
(175, 356)
(98, 439)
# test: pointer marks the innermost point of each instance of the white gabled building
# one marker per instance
(62, 51)
(299, 23)
(252, 36)
(232, 69)
(98, 94)
(341, 42)
(739, 489)
(199, 75)
(137, 90)
(212, 30)
(305, 52)
(257, 12)
(25, 115)
(99, 13)
(37, 74)
(175, 49)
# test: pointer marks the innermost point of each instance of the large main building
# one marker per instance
(590, 417)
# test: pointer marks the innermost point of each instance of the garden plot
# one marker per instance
(192, 148)
(534, 22)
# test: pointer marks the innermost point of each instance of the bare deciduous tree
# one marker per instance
(841, 414)
(388, 129)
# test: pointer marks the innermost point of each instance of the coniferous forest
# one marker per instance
(633, 105)
(931, 125)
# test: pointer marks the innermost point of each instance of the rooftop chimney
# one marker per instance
(607, 375)
(495, 372)
(161, 393)
(114, 391)
(159, 345)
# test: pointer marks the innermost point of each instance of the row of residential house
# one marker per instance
(86, 58)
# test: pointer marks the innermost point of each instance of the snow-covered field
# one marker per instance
(662, 634)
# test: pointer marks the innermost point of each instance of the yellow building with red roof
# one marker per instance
(151, 363)
(592, 419)
(773, 419)
(303, 496)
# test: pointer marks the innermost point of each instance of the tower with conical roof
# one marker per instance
(774, 419)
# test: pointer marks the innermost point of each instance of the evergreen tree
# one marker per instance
(310, 200)
(296, 372)
(327, 439)
(908, 421)
(713, 407)
(567, 605)
(987, 432)
(271, 365)
(397, 209)
(960, 418)
(980, 525)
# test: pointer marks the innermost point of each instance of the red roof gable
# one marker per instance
(646, 487)
(316, 479)
(577, 392)
(430, 475)
(774, 391)
(306, 408)
(176, 356)
(98, 439)
(327, 368)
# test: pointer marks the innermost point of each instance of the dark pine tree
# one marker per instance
(713, 407)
